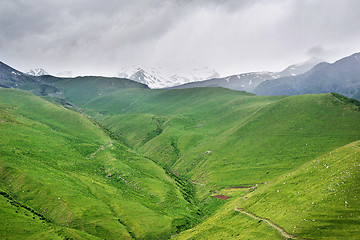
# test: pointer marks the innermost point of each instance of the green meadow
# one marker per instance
(318, 200)
(107, 158)
(81, 182)
(215, 136)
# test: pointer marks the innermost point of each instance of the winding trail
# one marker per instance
(101, 148)
(270, 223)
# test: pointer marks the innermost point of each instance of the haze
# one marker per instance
(94, 37)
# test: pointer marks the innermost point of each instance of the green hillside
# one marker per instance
(224, 138)
(62, 177)
(318, 200)
(146, 164)
(82, 89)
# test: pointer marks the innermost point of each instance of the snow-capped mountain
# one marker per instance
(36, 72)
(241, 82)
(249, 81)
(300, 68)
(342, 76)
(167, 76)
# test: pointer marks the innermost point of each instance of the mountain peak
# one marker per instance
(300, 68)
(167, 76)
(36, 72)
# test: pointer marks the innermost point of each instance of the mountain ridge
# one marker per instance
(114, 159)
(166, 76)
(36, 72)
(249, 81)
(342, 76)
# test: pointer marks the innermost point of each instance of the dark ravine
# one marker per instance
(27, 208)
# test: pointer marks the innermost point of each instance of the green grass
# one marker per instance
(146, 163)
(227, 138)
(320, 199)
(64, 167)
(83, 89)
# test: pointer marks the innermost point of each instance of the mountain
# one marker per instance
(342, 76)
(249, 81)
(300, 68)
(36, 72)
(136, 163)
(241, 82)
(83, 88)
(10, 77)
(167, 76)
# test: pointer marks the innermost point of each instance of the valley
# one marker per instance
(109, 158)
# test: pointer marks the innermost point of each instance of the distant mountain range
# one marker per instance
(98, 157)
(343, 76)
(249, 81)
(47, 85)
(154, 77)
(189, 76)
(41, 72)
(12, 78)
(167, 76)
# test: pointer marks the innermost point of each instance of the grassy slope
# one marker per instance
(318, 200)
(58, 166)
(226, 138)
(82, 89)
(217, 137)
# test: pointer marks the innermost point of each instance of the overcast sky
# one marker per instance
(232, 36)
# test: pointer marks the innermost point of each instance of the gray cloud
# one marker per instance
(316, 51)
(94, 36)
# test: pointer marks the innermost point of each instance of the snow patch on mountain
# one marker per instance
(36, 72)
(300, 68)
(167, 76)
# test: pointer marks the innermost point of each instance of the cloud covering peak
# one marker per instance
(97, 37)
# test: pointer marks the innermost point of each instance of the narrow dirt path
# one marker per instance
(270, 223)
(101, 148)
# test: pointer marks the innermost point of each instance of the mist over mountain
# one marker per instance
(249, 81)
(114, 153)
(158, 120)
(167, 76)
(66, 74)
(342, 76)
(40, 72)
